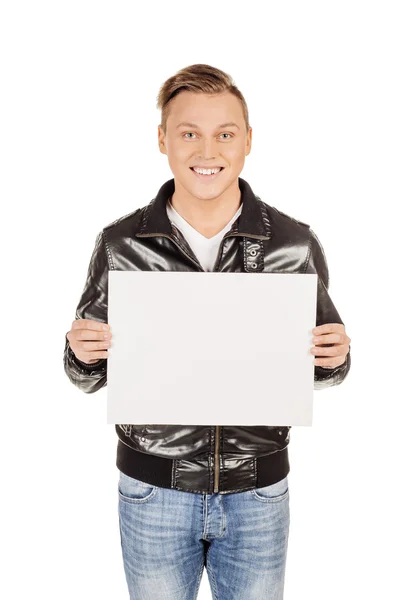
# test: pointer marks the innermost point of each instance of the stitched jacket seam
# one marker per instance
(108, 251)
(308, 252)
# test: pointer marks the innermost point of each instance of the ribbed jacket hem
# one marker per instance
(158, 470)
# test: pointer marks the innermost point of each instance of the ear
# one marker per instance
(248, 141)
(161, 140)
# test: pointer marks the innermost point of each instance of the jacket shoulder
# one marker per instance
(127, 222)
(288, 218)
(288, 230)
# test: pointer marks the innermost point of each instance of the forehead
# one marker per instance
(205, 109)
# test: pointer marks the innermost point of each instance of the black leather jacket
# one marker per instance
(197, 458)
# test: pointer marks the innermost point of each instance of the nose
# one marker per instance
(208, 149)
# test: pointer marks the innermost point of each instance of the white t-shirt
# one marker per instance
(205, 249)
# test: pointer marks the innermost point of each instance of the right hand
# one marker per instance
(87, 341)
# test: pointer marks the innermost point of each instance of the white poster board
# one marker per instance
(211, 348)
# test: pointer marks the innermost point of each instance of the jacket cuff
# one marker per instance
(324, 377)
(82, 366)
(89, 366)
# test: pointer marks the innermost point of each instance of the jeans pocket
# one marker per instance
(134, 491)
(276, 492)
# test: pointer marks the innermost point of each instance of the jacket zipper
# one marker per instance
(216, 459)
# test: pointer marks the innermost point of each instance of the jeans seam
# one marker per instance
(198, 580)
(212, 581)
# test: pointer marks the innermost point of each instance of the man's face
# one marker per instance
(213, 135)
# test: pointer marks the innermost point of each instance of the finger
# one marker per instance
(331, 338)
(328, 328)
(330, 363)
(90, 324)
(86, 357)
(336, 350)
(92, 346)
(92, 349)
(91, 334)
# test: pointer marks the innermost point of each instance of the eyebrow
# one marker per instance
(187, 124)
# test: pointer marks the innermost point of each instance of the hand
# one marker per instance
(87, 339)
(337, 345)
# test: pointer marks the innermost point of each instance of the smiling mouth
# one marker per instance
(207, 177)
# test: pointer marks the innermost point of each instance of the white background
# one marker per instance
(79, 149)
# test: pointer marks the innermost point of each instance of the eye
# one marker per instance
(191, 134)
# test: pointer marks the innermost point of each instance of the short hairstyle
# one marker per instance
(199, 78)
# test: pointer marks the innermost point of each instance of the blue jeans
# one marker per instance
(168, 537)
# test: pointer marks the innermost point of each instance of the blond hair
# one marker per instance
(199, 78)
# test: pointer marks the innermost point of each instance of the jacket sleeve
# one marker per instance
(326, 313)
(93, 304)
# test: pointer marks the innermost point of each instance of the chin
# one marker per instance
(208, 192)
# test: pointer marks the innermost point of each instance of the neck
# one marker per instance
(209, 215)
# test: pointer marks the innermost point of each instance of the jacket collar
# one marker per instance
(253, 221)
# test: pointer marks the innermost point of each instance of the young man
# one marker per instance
(195, 496)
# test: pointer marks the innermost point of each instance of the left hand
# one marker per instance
(335, 353)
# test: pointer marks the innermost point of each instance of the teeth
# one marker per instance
(206, 171)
